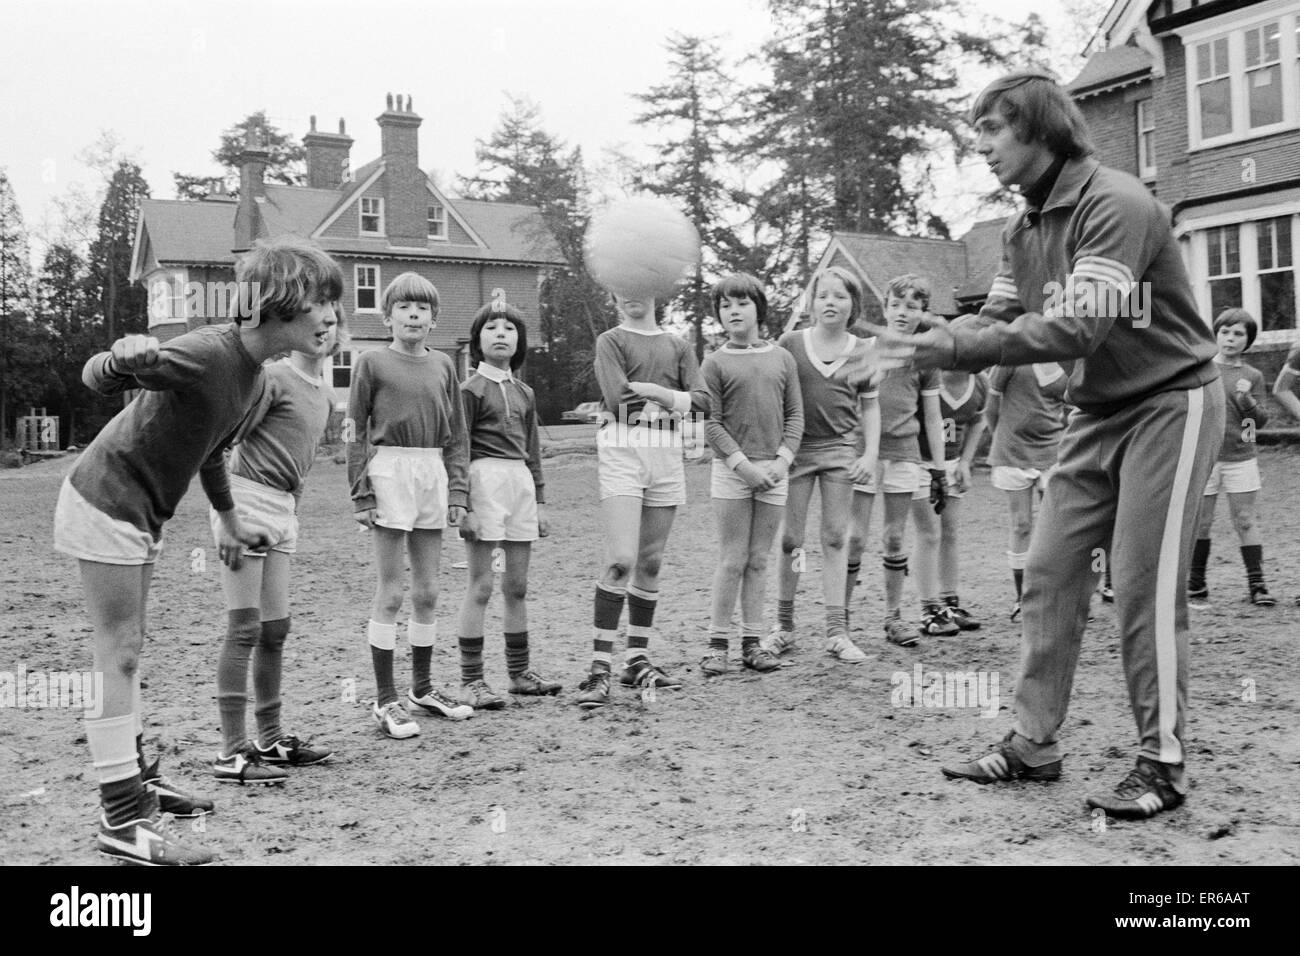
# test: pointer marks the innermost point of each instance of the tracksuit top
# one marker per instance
(142, 462)
(501, 415)
(755, 406)
(407, 401)
(1065, 289)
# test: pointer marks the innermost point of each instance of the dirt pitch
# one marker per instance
(810, 764)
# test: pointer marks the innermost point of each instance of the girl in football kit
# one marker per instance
(755, 424)
(506, 495)
(840, 441)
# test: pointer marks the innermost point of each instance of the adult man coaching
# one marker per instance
(1090, 271)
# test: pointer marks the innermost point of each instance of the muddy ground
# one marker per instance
(810, 764)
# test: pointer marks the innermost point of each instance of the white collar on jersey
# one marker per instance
(493, 373)
(956, 401)
(827, 369)
(764, 345)
(318, 382)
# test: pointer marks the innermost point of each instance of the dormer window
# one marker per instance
(437, 221)
(372, 216)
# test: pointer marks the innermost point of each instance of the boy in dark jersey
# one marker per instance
(197, 389)
(1091, 271)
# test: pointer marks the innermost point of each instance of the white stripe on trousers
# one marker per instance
(1171, 748)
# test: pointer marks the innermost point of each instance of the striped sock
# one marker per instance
(785, 615)
(719, 638)
(851, 581)
(516, 653)
(640, 620)
(837, 624)
(115, 754)
(750, 635)
(608, 609)
(471, 658)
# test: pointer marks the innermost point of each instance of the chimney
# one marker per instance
(406, 195)
(217, 191)
(327, 157)
(252, 164)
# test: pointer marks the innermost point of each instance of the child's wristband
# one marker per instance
(736, 459)
(681, 403)
(785, 454)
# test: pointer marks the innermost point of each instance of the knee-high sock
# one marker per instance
(1252, 555)
(516, 652)
(1200, 560)
(640, 620)
(608, 609)
(421, 637)
(117, 771)
(243, 630)
(268, 666)
(471, 658)
(383, 641)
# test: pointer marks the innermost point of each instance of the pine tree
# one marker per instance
(22, 347)
(523, 163)
(121, 301)
(693, 109)
(287, 163)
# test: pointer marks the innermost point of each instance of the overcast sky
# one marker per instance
(166, 78)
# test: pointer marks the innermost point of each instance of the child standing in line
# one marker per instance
(125, 486)
(962, 396)
(1237, 470)
(755, 424)
(902, 479)
(841, 438)
(407, 469)
(275, 449)
(1026, 412)
(505, 501)
(647, 378)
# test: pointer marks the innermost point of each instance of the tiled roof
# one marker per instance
(187, 231)
(882, 257)
(983, 245)
(1109, 67)
(190, 231)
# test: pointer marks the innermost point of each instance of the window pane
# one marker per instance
(1221, 57)
(1272, 42)
(1232, 251)
(1264, 243)
(1265, 95)
(1203, 61)
(1214, 251)
(365, 298)
(1224, 294)
(1283, 230)
(1277, 300)
(1216, 108)
(1252, 47)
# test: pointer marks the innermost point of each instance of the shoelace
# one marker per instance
(593, 680)
(1134, 785)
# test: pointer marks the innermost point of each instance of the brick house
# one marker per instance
(960, 270)
(1201, 100)
(385, 218)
